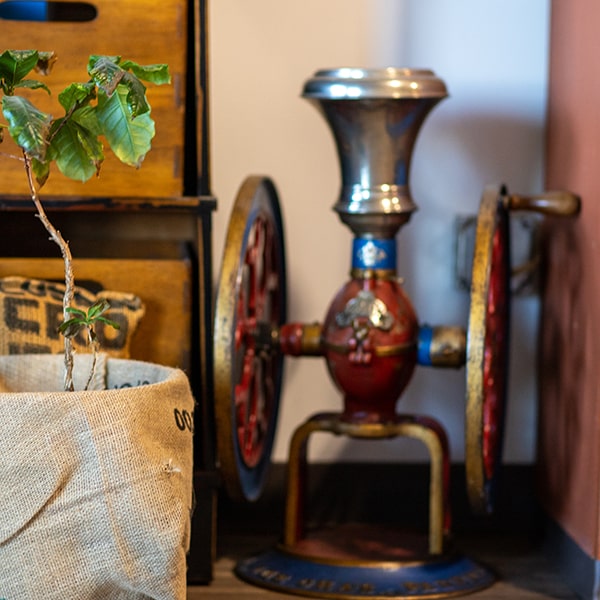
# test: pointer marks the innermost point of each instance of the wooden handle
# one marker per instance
(555, 203)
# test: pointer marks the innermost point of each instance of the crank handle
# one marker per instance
(554, 203)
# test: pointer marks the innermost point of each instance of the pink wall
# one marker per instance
(569, 436)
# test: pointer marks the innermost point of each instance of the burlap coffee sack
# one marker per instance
(96, 486)
(31, 311)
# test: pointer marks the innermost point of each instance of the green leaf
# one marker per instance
(87, 117)
(76, 311)
(99, 307)
(75, 146)
(32, 84)
(105, 72)
(136, 95)
(95, 58)
(113, 324)
(108, 75)
(86, 320)
(41, 170)
(108, 72)
(27, 125)
(72, 327)
(130, 139)
(77, 95)
(14, 66)
(157, 74)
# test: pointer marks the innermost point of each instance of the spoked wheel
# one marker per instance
(250, 307)
(487, 350)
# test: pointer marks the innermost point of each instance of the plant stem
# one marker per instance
(94, 345)
(65, 251)
(7, 155)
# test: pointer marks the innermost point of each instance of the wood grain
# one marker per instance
(164, 285)
(147, 32)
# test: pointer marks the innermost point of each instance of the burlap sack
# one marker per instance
(31, 311)
(96, 486)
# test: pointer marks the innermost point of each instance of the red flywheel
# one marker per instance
(250, 307)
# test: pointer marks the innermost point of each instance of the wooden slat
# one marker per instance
(164, 285)
(148, 31)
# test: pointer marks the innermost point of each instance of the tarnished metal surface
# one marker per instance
(375, 116)
(351, 83)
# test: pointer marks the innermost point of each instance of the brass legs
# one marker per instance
(425, 429)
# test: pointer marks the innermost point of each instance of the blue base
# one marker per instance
(285, 572)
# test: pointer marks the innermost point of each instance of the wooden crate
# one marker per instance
(146, 31)
(164, 285)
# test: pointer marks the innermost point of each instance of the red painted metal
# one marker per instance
(371, 349)
(495, 353)
(255, 392)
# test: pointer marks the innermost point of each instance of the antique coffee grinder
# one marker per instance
(372, 341)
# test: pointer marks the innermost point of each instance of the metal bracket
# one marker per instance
(524, 249)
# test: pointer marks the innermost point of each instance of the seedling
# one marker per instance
(87, 321)
(111, 106)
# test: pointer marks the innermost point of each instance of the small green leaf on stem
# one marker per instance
(86, 320)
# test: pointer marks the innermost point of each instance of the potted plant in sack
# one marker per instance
(95, 471)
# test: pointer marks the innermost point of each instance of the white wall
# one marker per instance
(493, 57)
